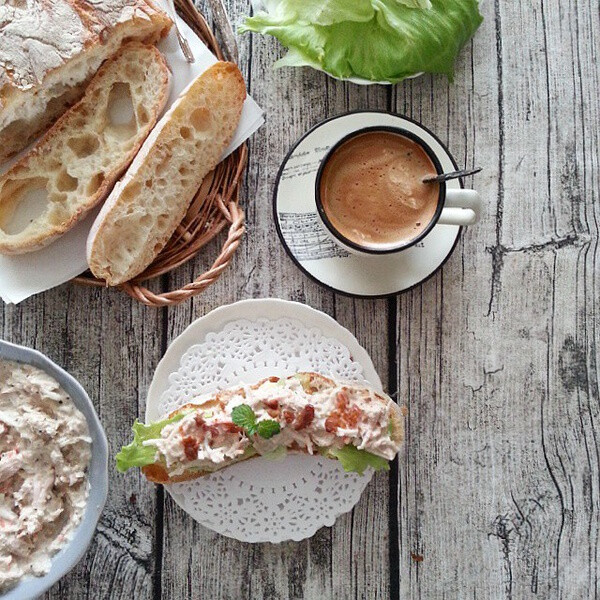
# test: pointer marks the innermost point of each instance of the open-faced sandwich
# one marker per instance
(305, 412)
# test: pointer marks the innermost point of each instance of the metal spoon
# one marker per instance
(446, 176)
(183, 43)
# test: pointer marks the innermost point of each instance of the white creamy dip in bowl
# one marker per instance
(79, 538)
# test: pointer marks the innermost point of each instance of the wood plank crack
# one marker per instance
(499, 251)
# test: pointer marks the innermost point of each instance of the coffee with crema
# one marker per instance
(372, 192)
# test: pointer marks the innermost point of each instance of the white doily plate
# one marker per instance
(262, 500)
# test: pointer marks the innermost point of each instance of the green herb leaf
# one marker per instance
(268, 428)
(137, 454)
(356, 460)
(243, 416)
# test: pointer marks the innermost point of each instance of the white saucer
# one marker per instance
(311, 247)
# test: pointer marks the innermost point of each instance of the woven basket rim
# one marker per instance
(214, 207)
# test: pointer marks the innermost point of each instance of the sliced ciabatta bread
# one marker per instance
(50, 50)
(82, 155)
(145, 207)
(306, 412)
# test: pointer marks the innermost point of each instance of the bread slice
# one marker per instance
(146, 206)
(50, 50)
(82, 155)
(311, 381)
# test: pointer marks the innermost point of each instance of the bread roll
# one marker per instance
(145, 207)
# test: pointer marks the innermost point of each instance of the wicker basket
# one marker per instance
(215, 206)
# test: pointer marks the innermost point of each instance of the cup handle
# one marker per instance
(462, 207)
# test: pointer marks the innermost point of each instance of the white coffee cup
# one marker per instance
(460, 207)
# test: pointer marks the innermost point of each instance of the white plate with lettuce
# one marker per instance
(368, 41)
(281, 497)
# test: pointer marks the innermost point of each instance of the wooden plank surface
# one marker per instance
(333, 562)
(499, 484)
(111, 346)
(497, 492)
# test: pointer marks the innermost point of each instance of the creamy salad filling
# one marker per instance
(311, 415)
(45, 450)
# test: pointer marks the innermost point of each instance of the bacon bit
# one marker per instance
(416, 557)
(213, 429)
(332, 423)
(230, 427)
(201, 429)
(341, 400)
(305, 417)
(345, 416)
(288, 415)
(272, 408)
(352, 416)
(273, 379)
(190, 447)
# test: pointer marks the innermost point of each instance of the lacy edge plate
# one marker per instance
(262, 500)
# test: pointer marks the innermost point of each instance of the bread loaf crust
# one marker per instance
(50, 50)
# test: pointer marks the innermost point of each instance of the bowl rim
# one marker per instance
(68, 556)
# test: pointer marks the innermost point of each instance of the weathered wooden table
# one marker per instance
(497, 492)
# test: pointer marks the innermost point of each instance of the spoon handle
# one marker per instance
(454, 175)
(183, 43)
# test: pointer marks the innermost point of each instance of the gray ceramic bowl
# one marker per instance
(64, 560)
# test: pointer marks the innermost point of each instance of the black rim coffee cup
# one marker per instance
(404, 244)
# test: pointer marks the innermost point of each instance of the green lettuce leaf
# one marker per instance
(278, 454)
(356, 460)
(416, 3)
(318, 12)
(378, 40)
(138, 455)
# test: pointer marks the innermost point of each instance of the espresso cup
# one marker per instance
(460, 207)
